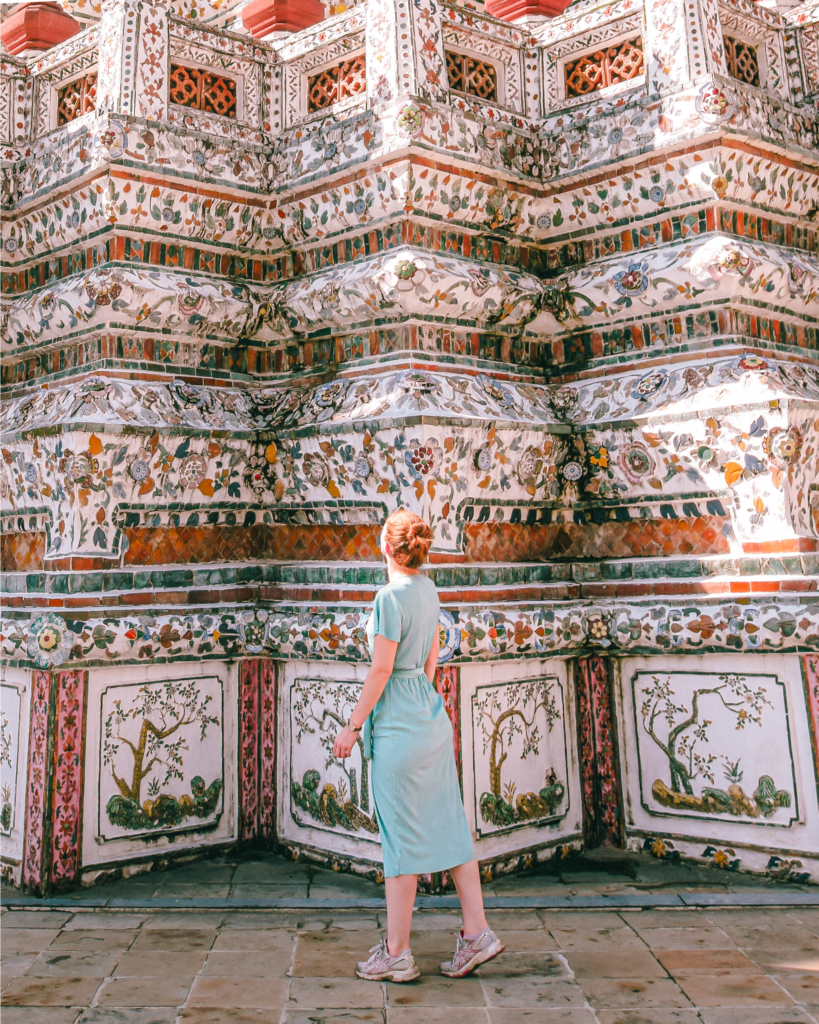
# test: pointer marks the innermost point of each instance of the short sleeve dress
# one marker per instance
(417, 797)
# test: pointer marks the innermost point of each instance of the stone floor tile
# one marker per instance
(589, 877)
(611, 964)
(99, 941)
(203, 920)
(521, 965)
(431, 943)
(431, 921)
(159, 964)
(261, 993)
(528, 941)
(755, 1015)
(355, 922)
(26, 940)
(732, 988)
(598, 939)
(704, 961)
(618, 993)
(360, 1016)
(202, 872)
(104, 919)
(686, 938)
(437, 991)
(515, 920)
(220, 1015)
(655, 1015)
(795, 937)
(256, 920)
(129, 1015)
(335, 993)
(52, 919)
(803, 987)
(352, 882)
(784, 961)
(744, 917)
(167, 991)
(13, 965)
(340, 891)
(537, 886)
(241, 965)
(73, 963)
(62, 991)
(271, 891)
(532, 992)
(581, 921)
(434, 1015)
(313, 922)
(194, 891)
(265, 871)
(562, 1015)
(174, 939)
(255, 940)
(672, 917)
(312, 948)
(41, 1014)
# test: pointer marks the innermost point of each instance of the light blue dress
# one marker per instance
(415, 782)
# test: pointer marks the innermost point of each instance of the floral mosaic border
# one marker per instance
(472, 633)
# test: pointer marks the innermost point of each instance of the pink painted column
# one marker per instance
(810, 674)
(602, 801)
(54, 788)
(37, 786)
(257, 750)
(447, 678)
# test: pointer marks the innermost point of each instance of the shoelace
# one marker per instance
(379, 958)
(464, 951)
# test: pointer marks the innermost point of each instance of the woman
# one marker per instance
(415, 785)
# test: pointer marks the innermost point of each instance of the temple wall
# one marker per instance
(411, 255)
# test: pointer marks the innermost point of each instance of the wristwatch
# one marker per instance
(352, 726)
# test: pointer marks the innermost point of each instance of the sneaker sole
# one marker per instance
(482, 958)
(397, 976)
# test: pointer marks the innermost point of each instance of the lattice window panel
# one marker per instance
(203, 90)
(472, 76)
(76, 98)
(742, 59)
(340, 82)
(602, 68)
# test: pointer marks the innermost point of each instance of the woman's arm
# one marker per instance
(380, 671)
(432, 658)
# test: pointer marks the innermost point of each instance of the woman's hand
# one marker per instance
(345, 741)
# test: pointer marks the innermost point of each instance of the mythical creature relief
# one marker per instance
(152, 735)
(319, 709)
(515, 723)
(696, 724)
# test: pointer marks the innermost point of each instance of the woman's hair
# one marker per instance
(409, 537)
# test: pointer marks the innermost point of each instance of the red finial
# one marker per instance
(262, 17)
(37, 26)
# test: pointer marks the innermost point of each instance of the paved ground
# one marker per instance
(726, 965)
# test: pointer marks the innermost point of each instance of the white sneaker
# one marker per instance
(469, 955)
(383, 967)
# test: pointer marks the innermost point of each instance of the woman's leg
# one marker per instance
(467, 879)
(400, 903)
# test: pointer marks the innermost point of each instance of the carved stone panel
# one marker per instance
(15, 697)
(163, 745)
(719, 748)
(324, 802)
(519, 754)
